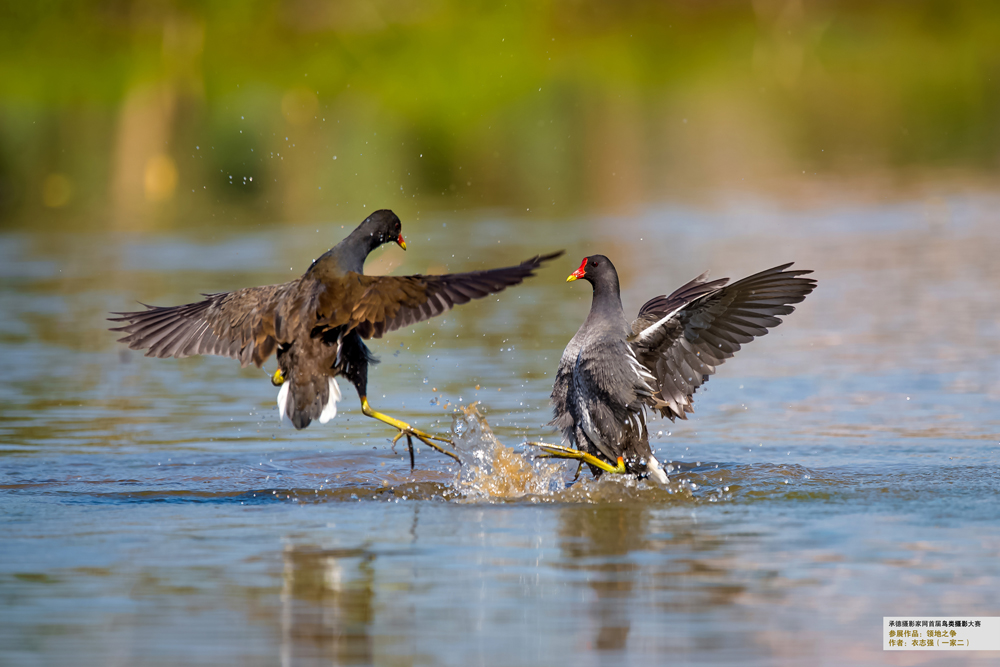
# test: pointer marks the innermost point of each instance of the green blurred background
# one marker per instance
(123, 114)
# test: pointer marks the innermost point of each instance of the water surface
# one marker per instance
(841, 469)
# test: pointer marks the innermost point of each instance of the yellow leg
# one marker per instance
(406, 429)
(560, 452)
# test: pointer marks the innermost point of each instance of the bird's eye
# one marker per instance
(595, 263)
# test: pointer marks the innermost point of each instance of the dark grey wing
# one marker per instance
(684, 347)
(607, 393)
(389, 303)
(660, 306)
(562, 416)
(236, 324)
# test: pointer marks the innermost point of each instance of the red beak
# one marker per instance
(576, 275)
(400, 242)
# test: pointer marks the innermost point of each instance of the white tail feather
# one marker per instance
(284, 396)
(656, 472)
(330, 409)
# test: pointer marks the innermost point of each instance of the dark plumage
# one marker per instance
(612, 371)
(315, 323)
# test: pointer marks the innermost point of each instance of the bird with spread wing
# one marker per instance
(317, 323)
(612, 372)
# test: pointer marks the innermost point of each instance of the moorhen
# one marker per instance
(612, 371)
(317, 323)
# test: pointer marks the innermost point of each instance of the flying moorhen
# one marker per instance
(611, 371)
(316, 323)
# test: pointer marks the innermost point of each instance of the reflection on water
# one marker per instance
(840, 469)
(326, 606)
(598, 541)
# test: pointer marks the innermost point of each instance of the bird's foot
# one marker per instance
(409, 432)
(560, 452)
(425, 438)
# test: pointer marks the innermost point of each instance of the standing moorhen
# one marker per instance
(611, 372)
(316, 323)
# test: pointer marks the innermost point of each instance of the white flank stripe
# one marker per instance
(330, 409)
(639, 369)
(283, 399)
(647, 332)
(588, 425)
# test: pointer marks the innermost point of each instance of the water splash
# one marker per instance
(490, 470)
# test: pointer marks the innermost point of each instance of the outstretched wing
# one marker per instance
(238, 324)
(386, 303)
(703, 324)
(659, 307)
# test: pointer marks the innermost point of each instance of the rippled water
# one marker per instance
(841, 469)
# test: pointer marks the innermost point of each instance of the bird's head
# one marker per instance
(593, 268)
(384, 227)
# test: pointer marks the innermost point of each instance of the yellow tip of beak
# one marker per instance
(402, 244)
(571, 278)
(278, 378)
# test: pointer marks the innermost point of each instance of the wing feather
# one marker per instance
(387, 303)
(236, 324)
(681, 339)
(660, 306)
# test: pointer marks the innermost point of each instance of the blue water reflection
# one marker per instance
(842, 468)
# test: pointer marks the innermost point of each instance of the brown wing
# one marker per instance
(236, 324)
(387, 303)
(683, 347)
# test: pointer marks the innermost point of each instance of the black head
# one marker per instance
(595, 269)
(383, 226)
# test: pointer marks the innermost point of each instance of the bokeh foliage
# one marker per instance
(158, 114)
